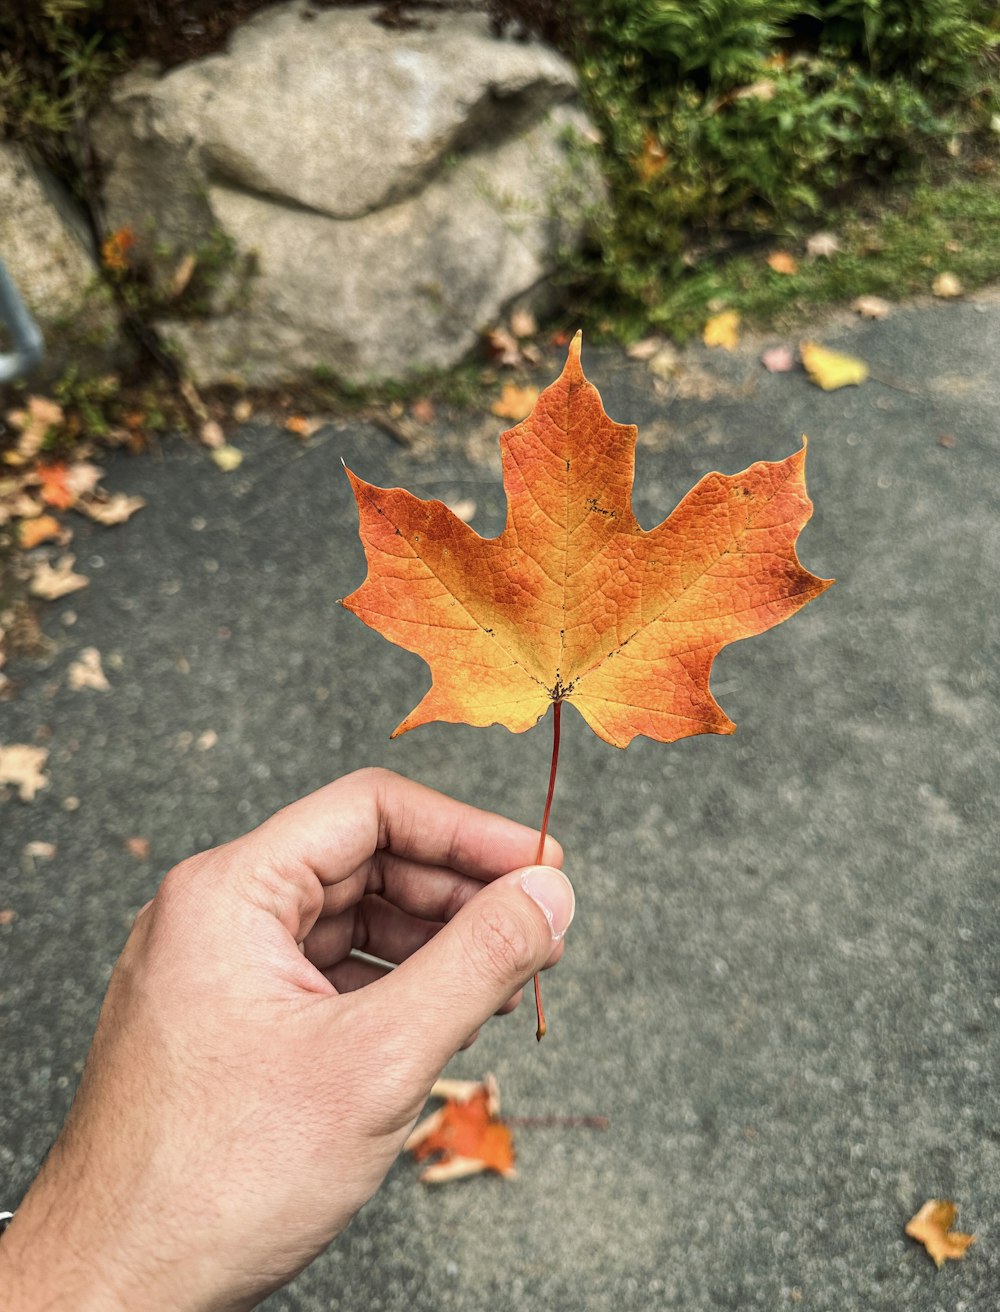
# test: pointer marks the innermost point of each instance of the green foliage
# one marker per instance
(728, 119)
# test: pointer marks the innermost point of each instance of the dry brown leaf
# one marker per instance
(33, 532)
(242, 411)
(137, 847)
(523, 323)
(871, 307)
(87, 672)
(947, 285)
(723, 330)
(39, 850)
(778, 359)
(652, 160)
(644, 350)
(228, 458)
(829, 369)
(783, 262)
(515, 402)
(932, 1227)
(54, 581)
(822, 245)
(21, 765)
(502, 348)
(35, 422)
(115, 509)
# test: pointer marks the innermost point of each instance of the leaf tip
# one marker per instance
(574, 369)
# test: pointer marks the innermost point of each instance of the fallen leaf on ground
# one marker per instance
(55, 491)
(207, 740)
(947, 440)
(227, 458)
(778, 359)
(523, 323)
(116, 248)
(115, 509)
(783, 262)
(137, 847)
(722, 330)
(644, 350)
(423, 410)
(40, 850)
(466, 1135)
(54, 581)
(21, 765)
(302, 425)
(665, 363)
(7, 916)
(514, 402)
(932, 1227)
(502, 347)
(947, 285)
(242, 411)
(574, 601)
(212, 435)
(33, 532)
(871, 307)
(36, 422)
(87, 672)
(829, 369)
(822, 245)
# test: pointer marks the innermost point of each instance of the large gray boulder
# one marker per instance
(48, 252)
(359, 199)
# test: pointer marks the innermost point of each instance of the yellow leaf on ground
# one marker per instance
(829, 369)
(783, 262)
(22, 765)
(33, 532)
(227, 458)
(515, 402)
(723, 330)
(932, 1227)
(947, 285)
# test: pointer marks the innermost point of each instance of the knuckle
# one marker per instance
(502, 944)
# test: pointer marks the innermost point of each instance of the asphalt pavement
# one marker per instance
(782, 983)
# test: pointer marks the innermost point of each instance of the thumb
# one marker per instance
(500, 938)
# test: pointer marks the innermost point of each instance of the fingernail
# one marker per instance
(553, 892)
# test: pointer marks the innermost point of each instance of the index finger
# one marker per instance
(334, 830)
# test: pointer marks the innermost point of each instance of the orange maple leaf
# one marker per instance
(116, 249)
(466, 1135)
(574, 601)
(55, 490)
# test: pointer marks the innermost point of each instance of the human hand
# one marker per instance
(250, 1082)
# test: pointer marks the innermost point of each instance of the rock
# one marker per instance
(360, 200)
(47, 249)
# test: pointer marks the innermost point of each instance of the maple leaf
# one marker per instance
(932, 1227)
(574, 601)
(466, 1135)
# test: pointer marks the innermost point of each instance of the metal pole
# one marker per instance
(26, 336)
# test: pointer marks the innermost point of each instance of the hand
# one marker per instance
(250, 1082)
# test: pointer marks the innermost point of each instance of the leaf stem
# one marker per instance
(556, 714)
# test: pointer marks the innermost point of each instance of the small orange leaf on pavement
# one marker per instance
(932, 1227)
(829, 369)
(466, 1135)
(33, 532)
(55, 491)
(783, 262)
(137, 847)
(514, 402)
(723, 330)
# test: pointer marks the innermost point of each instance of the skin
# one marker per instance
(250, 1082)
